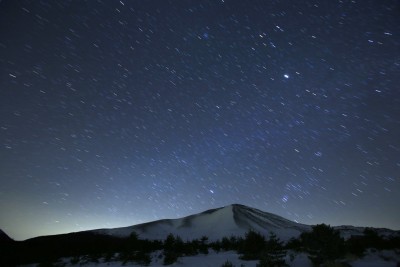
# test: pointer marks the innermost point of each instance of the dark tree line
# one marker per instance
(323, 245)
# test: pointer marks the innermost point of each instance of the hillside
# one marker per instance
(216, 223)
(229, 221)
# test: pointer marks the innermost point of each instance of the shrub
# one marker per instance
(75, 260)
(356, 245)
(173, 248)
(323, 244)
(204, 245)
(170, 257)
(274, 253)
(294, 244)
(252, 246)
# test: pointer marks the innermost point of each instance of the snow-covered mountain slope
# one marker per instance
(215, 224)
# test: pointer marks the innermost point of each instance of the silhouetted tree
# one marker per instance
(173, 248)
(204, 245)
(323, 244)
(169, 242)
(293, 244)
(394, 243)
(226, 244)
(231, 243)
(356, 245)
(191, 247)
(372, 239)
(252, 245)
(274, 253)
(216, 245)
(170, 257)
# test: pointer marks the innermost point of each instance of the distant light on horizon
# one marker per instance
(115, 113)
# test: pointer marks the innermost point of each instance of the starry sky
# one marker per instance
(114, 113)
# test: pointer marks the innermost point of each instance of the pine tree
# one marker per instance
(173, 248)
(252, 245)
(323, 244)
(274, 253)
(204, 245)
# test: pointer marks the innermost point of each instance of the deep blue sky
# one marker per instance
(114, 113)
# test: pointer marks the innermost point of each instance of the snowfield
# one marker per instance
(214, 259)
(230, 220)
(233, 220)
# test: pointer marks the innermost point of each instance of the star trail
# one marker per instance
(114, 113)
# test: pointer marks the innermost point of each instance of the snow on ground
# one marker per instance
(213, 259)
(215, 224)
(373, 259)
(300, 260)
(385, 258)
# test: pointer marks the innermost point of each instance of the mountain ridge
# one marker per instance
(232, 220)
(235, 219)
(4, 238)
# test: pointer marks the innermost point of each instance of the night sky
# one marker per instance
(114, 113)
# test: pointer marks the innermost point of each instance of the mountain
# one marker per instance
(4, 238)
(347, 231)
(215, 223)
(7, 245)
(232, 220)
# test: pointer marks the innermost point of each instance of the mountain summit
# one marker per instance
(215, 223)
(232, 220)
